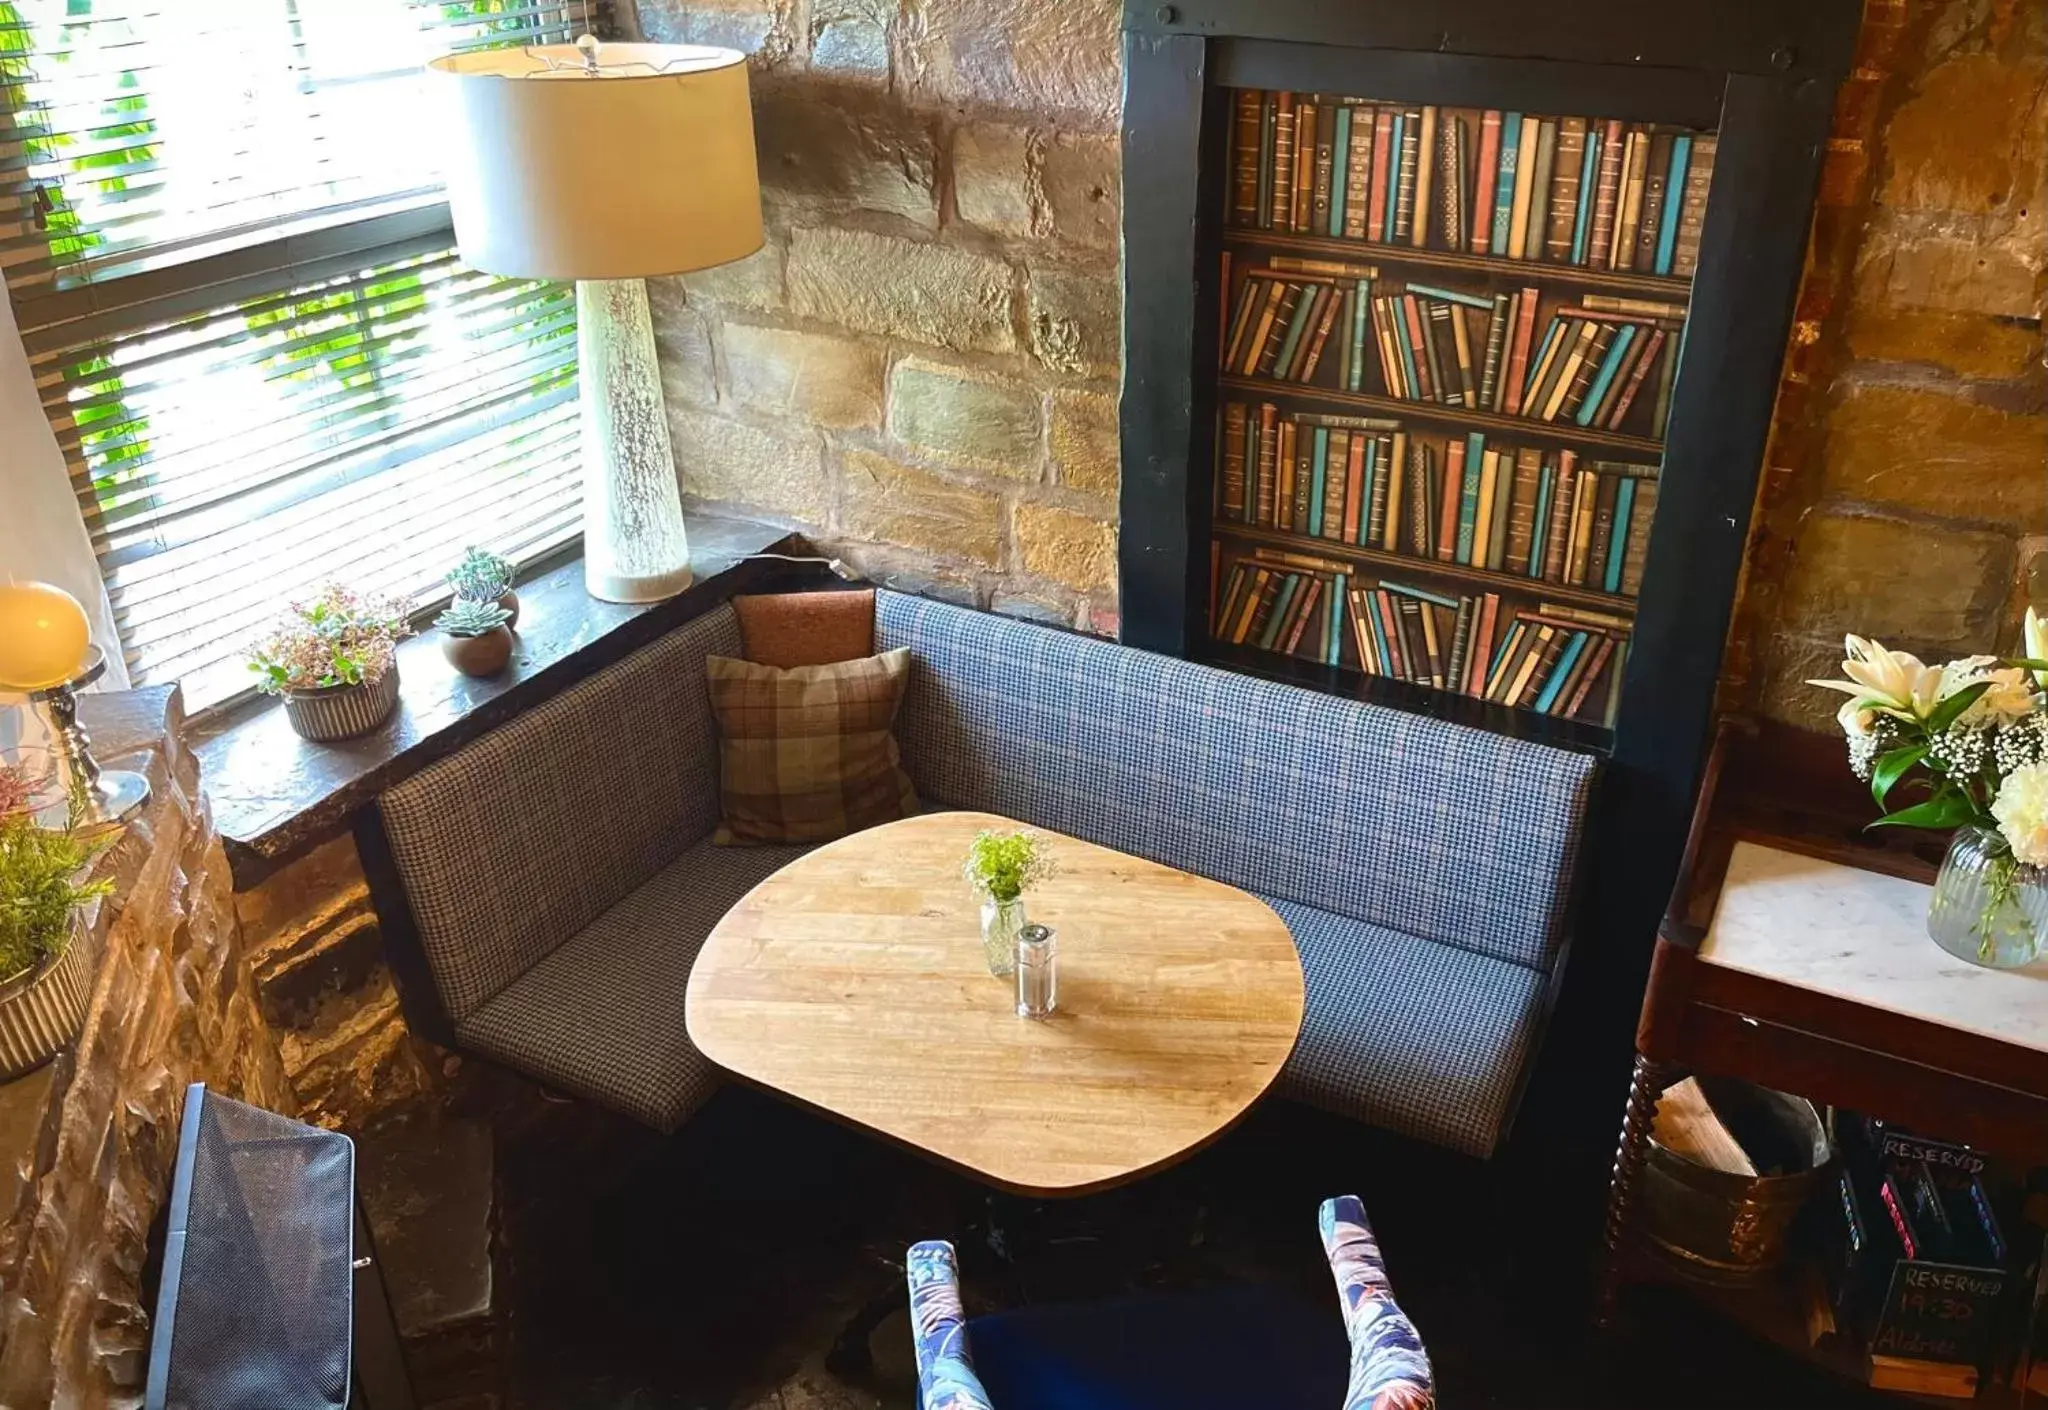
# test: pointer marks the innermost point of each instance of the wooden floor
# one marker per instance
(714, 1270)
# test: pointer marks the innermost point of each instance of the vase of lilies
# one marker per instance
(1962, 748)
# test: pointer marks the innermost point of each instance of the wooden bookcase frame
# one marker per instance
(1761, 72)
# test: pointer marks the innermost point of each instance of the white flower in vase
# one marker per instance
(1896, 682)
(2021, 808)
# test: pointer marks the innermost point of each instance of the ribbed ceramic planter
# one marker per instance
(42, 1012)
(342, 711)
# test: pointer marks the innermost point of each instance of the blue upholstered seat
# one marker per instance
(1424, 867)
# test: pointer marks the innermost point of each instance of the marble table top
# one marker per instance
(1862, 936)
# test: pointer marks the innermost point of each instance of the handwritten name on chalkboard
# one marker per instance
(1938, 1313)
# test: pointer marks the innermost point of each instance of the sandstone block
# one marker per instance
(778, 473)
(965, 417)
(1077, 322)
(1058, 59)
(992, 178)
(1968, 344)
(1962, 273)
(763, 29)
(1077, 550)
(929, 294)
(753, 282)
(815, 377)
(1910, 586)
(1941, 454)
(827, 148)
(1973, 136)
(851, 37)
(1084, 439)
(1053, 611)
(887, 502)
(1082, 181)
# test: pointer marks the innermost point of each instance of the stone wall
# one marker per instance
(920, 369)
(1906, 490)
(90, 1139)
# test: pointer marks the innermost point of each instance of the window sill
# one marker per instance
(276, 796)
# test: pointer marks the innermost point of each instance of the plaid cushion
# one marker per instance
(1421, 1038)
(809, 754)
(1454, 834)
(521, 838)
(602, 1016)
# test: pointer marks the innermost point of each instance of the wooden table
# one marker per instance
(853, 980)
(1795, 955)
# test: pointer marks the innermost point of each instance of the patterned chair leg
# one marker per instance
(1645, 1086)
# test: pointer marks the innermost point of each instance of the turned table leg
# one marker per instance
(1644, 1088)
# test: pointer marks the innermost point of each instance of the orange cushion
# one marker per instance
(791, 629)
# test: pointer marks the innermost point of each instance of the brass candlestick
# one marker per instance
(105, 795)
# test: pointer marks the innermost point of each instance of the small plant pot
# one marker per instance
(342, 711)
(509, 600)
(484, 655)
(41, 1012)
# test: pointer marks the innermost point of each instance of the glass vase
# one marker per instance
(1000, 922)
(1988, 908)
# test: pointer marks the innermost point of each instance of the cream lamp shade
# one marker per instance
(601, 161)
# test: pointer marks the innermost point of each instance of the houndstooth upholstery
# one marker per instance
(602, 1016)
(1421, 1038)
(1453, 834)
(525, 836)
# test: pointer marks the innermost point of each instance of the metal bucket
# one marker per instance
(1734, 1229)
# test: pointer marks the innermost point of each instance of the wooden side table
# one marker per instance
(1795, 955)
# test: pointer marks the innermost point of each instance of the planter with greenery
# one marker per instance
(334, 659)
(476, 637)
(1002, 866)
(45, 963)
(483, 576)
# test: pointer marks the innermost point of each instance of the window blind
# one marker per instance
(232, 266)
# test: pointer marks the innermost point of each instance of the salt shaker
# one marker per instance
(1037, 972)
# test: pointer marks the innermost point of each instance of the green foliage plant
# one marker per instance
(44, 877)
(481, 576)
(1004, 865)
(467, 618)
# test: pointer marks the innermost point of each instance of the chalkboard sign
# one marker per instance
(1938, 1312)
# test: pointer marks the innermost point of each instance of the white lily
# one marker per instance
(2036, 637)
(1894, 681)
(2009, 696)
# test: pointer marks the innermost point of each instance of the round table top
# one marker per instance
(853, 980)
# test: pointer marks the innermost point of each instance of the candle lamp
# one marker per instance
(46, 652)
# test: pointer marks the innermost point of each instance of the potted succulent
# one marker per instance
(46, 888)
(334, 659)
(476, 637)
(483, 576)
(1002, 866)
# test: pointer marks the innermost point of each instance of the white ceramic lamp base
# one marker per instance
(634, 545)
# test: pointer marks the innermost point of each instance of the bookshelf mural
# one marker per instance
(1447, 352)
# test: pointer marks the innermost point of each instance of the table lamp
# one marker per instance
(46, 652)
(607, 164)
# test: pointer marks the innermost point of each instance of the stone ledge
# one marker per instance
(276, 796)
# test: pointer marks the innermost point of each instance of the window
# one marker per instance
(233, 270)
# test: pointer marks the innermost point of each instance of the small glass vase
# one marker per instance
(1988, 908)
(1000, 923)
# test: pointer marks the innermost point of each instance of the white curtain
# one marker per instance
(42, 536)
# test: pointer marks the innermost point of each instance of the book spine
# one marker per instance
(1588, 368)
(1276, 618)
(1461, 343)
(1395, 467)
(1235, 421)
(1530, 687)
(1333, 630)
(1244, 203)
(1629, 220)
(1304, 165)
(1357, 172)
(1317, 484)
(1354, 485)
(1599, 390)
(1377, 452)
(1692, 209)
(1298, 307)
(1589, 178)
(1304, 613)
(1555, 678)
(1525, 182)
(1404, 192)
(1461, 643)
(1283, 483)
(1584, 494)
(1383, 151)
(1557, 339)
(1340, 174)
(1221, 609)
(1635, 379)
(1606, 197)
(1488, 168)
(1564, 198)
(1496, 339)
(1674, 202)
(1413, 356)
(1539, 523)
(1642, 512)
(1335, 458)
(1450, 189)
(1467, 490)
(1518, 360)
(1481, 649)
(1269, 120)
(1360, 313)
(1655, 174)
(1325, 168)
(1539, 189)
(1522, 493)
(1418, 498)
(1502, 464)
(1265, 488)
(1441, 340)
(1282, 200)
(1667, 375)
(1300, 486)
(1425, 176)
(1251, 296)
(1325, 321)
(1557, 532)
(1504, 184)
(1620, 523)
(1449, 497)
(1482, 519)
(1600, 541)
